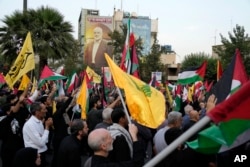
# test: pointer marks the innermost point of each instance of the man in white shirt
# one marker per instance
(35, 135)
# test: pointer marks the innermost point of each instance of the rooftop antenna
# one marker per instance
(121, 5)
(231, 24)
(215, 36)
(95, 4)
(138, 9)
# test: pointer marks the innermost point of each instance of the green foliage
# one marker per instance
(151, 62)
(237, 39)
(118, 41)
(51, 35)
(71, 63)
(195, 60)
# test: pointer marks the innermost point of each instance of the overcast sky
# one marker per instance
(190, 26)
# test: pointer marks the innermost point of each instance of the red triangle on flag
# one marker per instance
(47, 72)
(2, 80)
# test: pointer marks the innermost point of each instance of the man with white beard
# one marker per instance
(100, 141)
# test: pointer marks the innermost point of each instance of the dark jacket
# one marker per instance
(69, 153)
(137, 160)
(25, 157)
(120, 150)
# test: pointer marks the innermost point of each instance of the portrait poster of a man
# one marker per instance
(97, 43)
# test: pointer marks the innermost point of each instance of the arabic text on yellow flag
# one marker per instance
(83, 98)
(145, 103)
(23, 64)
(92, 74)
(24, 83)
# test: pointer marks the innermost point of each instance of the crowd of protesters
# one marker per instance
(32, 130)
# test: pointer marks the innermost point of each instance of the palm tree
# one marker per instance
(51, 35)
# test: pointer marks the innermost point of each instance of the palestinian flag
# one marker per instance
(239, 76)
(177, 100)
(48, 75)
(208, 86)
(217, 138)
(233, 119)
(231, 80)
(170, 86)
(192, 75)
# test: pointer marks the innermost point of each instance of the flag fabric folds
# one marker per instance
(34, 85)
(177, 100)
(169, 96)
(233, 119)
(146, 104)
(192, 75)
(24, 63)
(24, 83)
(231, 100)
(129, 61)
(71, 82)
(2, 80)
(233, 77)
(153, 82)
(219, 70)
(83, 97)
(92, 75)
(48, 75)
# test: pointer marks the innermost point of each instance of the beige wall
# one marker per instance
(168, 58)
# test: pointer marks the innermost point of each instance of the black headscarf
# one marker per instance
(25, 157)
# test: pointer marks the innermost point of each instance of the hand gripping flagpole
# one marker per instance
(183, 138)
(124, 106)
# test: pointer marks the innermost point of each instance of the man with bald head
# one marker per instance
(193, 118)
(100, 141)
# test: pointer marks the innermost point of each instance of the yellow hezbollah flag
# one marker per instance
(145, 103)
(34, 85)
(23, 64)
(190, 93)
(169, 96)
(92, 75)
(53, 107)
(83, 98)
(24, 83)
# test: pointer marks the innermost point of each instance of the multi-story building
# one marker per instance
(142, 26)
(168, 58)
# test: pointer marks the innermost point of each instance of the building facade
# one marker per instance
(142, 26)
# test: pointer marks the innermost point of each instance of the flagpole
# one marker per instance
(124, 106)
(183, 138)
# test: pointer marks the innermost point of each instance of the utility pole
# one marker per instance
(121, 5)
(25, 5)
